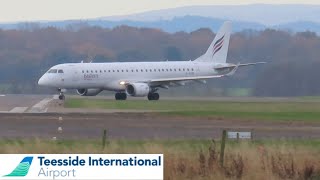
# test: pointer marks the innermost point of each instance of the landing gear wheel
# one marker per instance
(153, 96)
(120, 96)
(61, 96)
(156, 96)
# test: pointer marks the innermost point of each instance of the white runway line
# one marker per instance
(2, 95)
(18, 110)
(40, 107)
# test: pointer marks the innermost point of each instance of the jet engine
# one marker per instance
(138, 89)
(88, 92)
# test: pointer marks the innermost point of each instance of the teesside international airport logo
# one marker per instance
(82, 166)
(22, 169)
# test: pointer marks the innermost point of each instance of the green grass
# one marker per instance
(285, 116)
(307, 111)
(142, 146)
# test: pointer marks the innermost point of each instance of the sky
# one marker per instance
(34, 10)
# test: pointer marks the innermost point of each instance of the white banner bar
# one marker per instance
(82, 166)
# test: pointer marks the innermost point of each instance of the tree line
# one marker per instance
(292, 69)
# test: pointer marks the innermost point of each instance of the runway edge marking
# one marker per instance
(41, 106)
(18, 110)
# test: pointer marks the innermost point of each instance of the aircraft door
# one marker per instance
(60, 77)
(75, 75)
(196, 69)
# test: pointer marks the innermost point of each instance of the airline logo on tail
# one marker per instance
(22, 169)
(217, 45)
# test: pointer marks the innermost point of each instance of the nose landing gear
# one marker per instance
(61, 95)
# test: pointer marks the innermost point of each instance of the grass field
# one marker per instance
(199, 159)
(302, 110)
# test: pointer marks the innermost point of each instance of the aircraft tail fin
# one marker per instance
(218, 49)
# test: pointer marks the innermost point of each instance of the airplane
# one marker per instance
(140, 79)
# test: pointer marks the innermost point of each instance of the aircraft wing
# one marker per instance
(219, 68)
(166, 82)
(180, 81)
(185, 78)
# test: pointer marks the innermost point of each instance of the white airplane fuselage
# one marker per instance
(110, 76)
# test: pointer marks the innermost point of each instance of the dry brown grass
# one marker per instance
(244, 160)
(247, 162)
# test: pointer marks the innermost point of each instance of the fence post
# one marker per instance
(104, 138)
(223, 144)
(237, 136)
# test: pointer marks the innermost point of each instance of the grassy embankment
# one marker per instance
(199, 159)
(193, 159)
(307, 111)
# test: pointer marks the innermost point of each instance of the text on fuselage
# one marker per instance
(90, 76)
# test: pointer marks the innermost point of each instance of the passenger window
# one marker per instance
(109, 70)
(141, 70)
(60, 71)
(167, 69)
(146, 70)
(82, 71)
(117, 70)
(170, 69)
(100, 71)
(113, 71)
(150, 70)
(175, 70)
(91, 71)
(132, 70)
(188, 69)
(137, 70)
(191, 69)
(96, 71)
(127, 70)
(105, 71)
(122, 70)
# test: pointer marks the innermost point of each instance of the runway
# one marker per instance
(36, 116)
(143, 126)
(16, 103)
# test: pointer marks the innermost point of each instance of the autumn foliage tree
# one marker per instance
(292, 69)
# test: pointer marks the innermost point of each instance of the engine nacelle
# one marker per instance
(138, 89)
(88, 92)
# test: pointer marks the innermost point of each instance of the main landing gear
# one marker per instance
(61, 95)
(123, 96)
(153, 96)
(120, 96)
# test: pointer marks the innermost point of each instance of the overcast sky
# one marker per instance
(31, 10)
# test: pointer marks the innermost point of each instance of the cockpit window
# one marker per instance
(60, 71)
(52, 71)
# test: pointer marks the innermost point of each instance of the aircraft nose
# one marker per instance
(42, 81)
